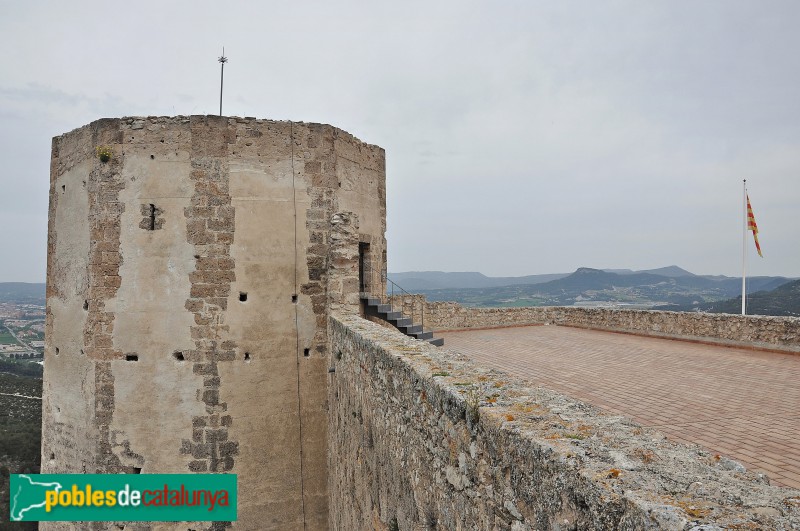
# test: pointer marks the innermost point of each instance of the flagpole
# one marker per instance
(744, 243)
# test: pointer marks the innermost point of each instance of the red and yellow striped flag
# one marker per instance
(751, 225)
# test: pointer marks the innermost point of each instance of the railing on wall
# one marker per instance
(378, 284)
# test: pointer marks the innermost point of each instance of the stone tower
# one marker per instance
(189, 279)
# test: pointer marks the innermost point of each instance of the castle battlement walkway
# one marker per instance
(736, 402)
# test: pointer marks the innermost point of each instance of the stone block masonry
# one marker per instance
(751, 331)
(210, 229)
(190, 279)
(423, 439)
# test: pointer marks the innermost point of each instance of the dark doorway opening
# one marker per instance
(364, 270)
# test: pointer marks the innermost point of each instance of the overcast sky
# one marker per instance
(521, 137)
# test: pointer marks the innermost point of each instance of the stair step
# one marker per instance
(412, 329)
(375, 306)
(403, 322)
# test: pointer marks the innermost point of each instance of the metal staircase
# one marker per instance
(375, 307)
(389, 302)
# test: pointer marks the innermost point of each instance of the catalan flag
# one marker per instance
(751, 225)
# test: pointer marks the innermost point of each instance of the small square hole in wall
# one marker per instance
(131, 357)
(85, 305)
(137, 470)
(294, 299)
(178, 355)
(242, 296)
(247, 357)
(57, 351)
(306, 352)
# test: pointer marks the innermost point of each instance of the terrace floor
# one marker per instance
(740, 403)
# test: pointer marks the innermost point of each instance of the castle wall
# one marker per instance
(188, 294)
(768, 332)
(421, 438)
(203, 281)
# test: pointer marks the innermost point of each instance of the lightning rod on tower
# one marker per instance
(222, 59)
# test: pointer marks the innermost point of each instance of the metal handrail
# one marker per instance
(388, 287)
(403, 296)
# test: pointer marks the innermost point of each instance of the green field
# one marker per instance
(6, 338)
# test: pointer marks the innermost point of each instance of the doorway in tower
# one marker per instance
(364, 268)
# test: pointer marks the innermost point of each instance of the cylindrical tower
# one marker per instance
(189, 279)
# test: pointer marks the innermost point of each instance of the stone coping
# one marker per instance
(626, 476)
(772, 333)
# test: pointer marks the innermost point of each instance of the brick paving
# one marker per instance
(739, 403)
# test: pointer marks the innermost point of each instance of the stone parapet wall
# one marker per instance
(778, 333)
(454, 316)
(420, 438)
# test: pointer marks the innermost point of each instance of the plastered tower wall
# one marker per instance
(189, 281)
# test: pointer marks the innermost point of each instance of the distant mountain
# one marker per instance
(669, 271)
(22, 292)
(587, 287)
(432, 280)
(428, 280)
(783, 300)
(733, 285)
(586, 278)
(619, 271)
(415, 280)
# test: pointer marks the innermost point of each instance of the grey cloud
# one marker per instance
(521, 137)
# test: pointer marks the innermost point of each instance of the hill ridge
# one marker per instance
(587, 286)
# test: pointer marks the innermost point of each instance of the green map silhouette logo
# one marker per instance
(27, 494)
(123, 497)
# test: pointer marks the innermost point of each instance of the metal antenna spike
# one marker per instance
(222, 60)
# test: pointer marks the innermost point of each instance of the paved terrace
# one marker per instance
(740, 403)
